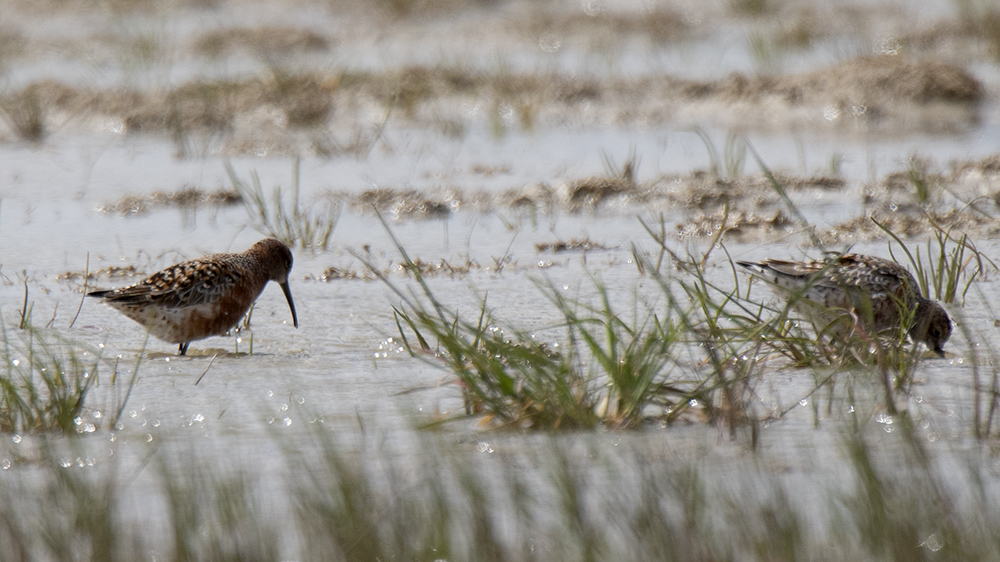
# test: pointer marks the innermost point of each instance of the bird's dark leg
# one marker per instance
(183, 348)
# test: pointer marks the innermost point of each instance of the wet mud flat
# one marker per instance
(514, 225)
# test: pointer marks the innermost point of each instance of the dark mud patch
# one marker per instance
(408, 203)
(589, 193)
(964, 196)
(24, 114)
(455, 268)
(973, 36)
(740, 225)
(260, 41)
(550, 28)
(111, 272)
(700, 191)
(186, 198)
(882, 92)
(582, 245)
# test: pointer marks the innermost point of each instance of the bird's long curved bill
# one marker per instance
(291, 304)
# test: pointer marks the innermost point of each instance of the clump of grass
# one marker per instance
(631, 360)
(509, 378)
(607, 370)
(45, 379)
(731, 162)
(140, 49)
(766, 53)
(953, 263)
(925, 184)
(289, 222)
(305, 99)
(628, 171)
(772, 43)
(513, 100)
(44, 382)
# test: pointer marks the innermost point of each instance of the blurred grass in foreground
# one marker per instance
(555, 498)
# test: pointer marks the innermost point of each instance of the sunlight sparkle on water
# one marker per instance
(933, 542)
(84, 426)
(549, 42)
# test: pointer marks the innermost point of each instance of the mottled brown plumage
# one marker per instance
(204, 297)
(858, 283)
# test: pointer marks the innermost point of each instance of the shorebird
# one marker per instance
(877, 292)
(206, 296)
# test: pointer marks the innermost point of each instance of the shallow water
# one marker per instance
(344, 370)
